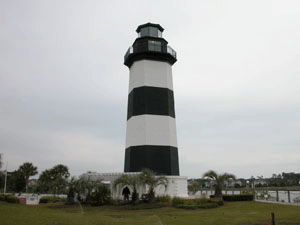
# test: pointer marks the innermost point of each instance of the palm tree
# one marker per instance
(87, 185)
(55, 177)
(148, 177)
(46, 181)
(60, 172)
(133, 181)
(196, 186)
(27, 170)
(219, 178)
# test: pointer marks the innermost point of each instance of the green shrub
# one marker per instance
(12, 199)
(198, 206)
(218, 201)
(2, 197)
(119, 202)
(187, 206)
(145, 206)
(198, 203)
(100, 197)
(145, 197)
(178, 201)
(54, 199)
(9, 198)
(165, 198)
(208, 206)
(242, 197)
(201, 200)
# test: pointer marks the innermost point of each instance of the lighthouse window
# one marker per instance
(153, 32)
(154, 46)
(150, 31)
(144, 32)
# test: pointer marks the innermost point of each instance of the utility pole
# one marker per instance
(5, 178)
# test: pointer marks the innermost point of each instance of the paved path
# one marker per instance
(274, 202)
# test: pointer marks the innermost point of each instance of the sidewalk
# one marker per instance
(274, 202)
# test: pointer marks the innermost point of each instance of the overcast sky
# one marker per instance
(64, 88)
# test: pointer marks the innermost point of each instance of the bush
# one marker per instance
(2, 197)
(145, 197)
(100, 197)
(218, 201)
(184, 206)
(198, 203)
(242, 197)
(145, 206)
(119, 202)
(201, 200)
(48, 199)
(198, 206)
(9, 198)
(12, 199)
(165, 198)
(177, 201)
(208, 206)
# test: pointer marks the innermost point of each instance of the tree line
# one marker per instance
(17, 181)
(57, 180)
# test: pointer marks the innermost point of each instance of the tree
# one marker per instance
(148, 177)
(60, 172)
(219, 179)
(15, 182)
(133, 181)
(87, 185)
(45, 181)
(0, 160)
(195, 187)
(73, 187)
(27, 170)
(100, 197)
(55, 177)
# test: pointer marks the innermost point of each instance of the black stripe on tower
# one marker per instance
(160, 159)
(152, 101)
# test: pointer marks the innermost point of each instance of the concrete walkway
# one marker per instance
(274, 202)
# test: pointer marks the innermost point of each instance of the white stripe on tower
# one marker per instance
(150, 73)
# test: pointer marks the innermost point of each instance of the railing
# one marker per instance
(171, 51)
(151, 46)
(129, 51)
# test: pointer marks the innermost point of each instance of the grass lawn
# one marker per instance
(231, 213)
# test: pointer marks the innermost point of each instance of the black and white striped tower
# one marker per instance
(151, 140)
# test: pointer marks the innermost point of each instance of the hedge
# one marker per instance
(198, 206)
(217, 201)
(198, 203)
(2, 197)
(178, 201)
(165, 198)
(242, 197)
(9, 198)
(145, 206)
(47, 199)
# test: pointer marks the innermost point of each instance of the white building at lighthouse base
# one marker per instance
(177, 185)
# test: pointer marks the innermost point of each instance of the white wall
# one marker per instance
(151, 130)
(150, 73)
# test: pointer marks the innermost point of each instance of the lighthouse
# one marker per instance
(151, 140)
